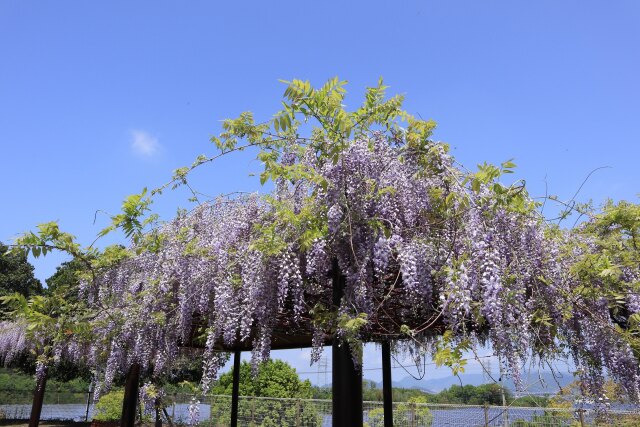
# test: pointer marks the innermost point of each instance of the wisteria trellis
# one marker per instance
(425, 246)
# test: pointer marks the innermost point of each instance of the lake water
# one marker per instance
(451, 417)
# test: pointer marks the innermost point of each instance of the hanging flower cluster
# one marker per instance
(13, 340)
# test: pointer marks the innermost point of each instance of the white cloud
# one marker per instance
(144, 144)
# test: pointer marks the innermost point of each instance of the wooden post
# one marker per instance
(166, 415)
(346, 378)
(253, 412)
(38, 398)
(130, 400)
(236, 388)
(486, 415)
(387, 390)
(413, 414)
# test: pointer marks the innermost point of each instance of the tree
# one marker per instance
(489, 394)
(65, 280)
(16, 274)
(109, 406)
(275, 379)
(47, 311)
(413, 412)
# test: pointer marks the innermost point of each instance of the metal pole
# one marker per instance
(130, 400)
(346, 378)
(387, 394)
(38, 398)
(236, 388)
(505, 408)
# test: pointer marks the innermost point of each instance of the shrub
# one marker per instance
(109, 406)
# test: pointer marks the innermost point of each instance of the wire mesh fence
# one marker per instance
(260, 411)
(68, 406)
(215, 411)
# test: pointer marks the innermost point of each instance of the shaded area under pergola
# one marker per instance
(347, 402)
(347, 408)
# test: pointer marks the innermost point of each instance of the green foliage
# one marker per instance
(616, 232)
(630, 420)
(449, 353)
(490, 394)
(610, 247)
(513, 197)
(266, 412)
(331, 127)
(49, 319)
(371, 393)
(276, 379)
(48, 238)
(131, 219)
(109, 406)
(351, 327)
(530, 401)
(302, 226)
(548, 419)
(66, 279)
(17, 388)
(16, 274)
(411, 413)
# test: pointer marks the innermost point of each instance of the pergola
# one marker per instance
(424, 246)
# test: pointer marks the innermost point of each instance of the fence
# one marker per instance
(267, 412)
(68, 405)
(214, 411)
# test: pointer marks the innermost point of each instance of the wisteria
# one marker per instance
(424, 247)
(13, 340)
(481, 270)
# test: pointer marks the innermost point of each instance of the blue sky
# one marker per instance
(100, 99)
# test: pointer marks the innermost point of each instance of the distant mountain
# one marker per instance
(534, 383)
(409, 382)
(542, 382)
